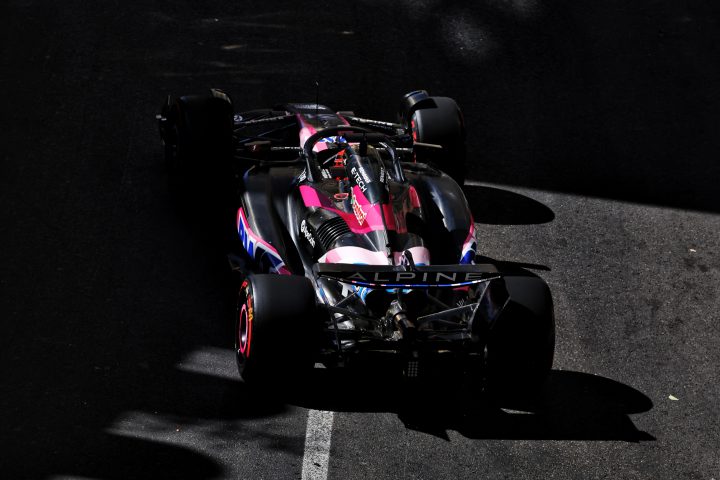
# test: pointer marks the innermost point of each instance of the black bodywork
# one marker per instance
(387, 240)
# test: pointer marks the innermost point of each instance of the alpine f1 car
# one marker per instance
(354, 239)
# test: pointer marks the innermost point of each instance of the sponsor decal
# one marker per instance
(303, 176)
(384, 178)
(307, 106)
(440, 276)
(360, 214)
(248, 343)
(359, 180)
(364, 175)
(308, 236)
(414, 279)
(424, 277)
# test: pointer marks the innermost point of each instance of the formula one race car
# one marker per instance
(354, 239)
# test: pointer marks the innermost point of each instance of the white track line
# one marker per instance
(317, 445)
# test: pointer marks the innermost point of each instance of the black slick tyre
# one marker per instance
(197, 131)
(198, 137)
(441, 124)
(521, 343)
(274, 329)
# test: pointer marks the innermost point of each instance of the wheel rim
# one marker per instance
(243, 331)
(244, 323)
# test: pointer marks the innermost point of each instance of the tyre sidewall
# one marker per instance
(276, 344)
(442, 125)
(521, 343)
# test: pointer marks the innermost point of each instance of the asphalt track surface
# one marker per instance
(596, 128)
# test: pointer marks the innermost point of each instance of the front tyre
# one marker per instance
(438, 121)
(274, 329)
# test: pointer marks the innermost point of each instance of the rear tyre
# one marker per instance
(198, 137)
(439, 121)
(274, 329)
(521, 344)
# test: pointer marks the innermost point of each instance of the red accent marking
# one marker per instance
(245, 322)
(360, 214)
(471, 232)
(373, 212)
(389, 218)
(413, 128)
(414, 198)
(340, 159)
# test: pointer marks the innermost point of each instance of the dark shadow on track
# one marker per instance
(496, 206)
(102, 291)
(574, 406)
(596, 98)
(91, 383)
(118, 458)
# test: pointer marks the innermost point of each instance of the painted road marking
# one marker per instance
(220, 362)
(317, 445)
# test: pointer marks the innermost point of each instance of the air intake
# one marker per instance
(330, 231)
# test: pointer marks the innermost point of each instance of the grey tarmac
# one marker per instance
(595, 132)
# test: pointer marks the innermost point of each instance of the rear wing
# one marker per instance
(403, 276)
